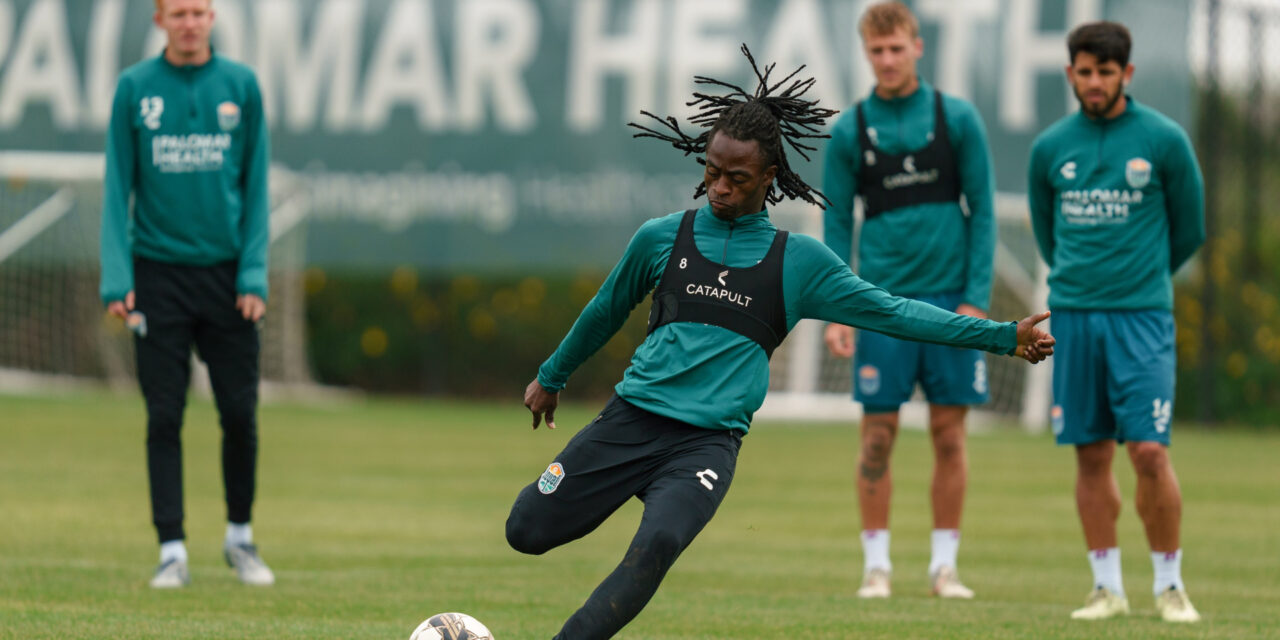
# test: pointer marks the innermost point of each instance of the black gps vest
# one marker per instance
(890, 181)
(747, 300)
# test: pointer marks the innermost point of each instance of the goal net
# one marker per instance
(53, 328)
(807, 382)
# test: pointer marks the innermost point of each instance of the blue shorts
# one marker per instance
(1113, 376)
(886, 370)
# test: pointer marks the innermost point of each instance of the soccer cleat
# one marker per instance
(875, 584)
(248, 564)
(946, 584)
(1175, 606)
(171, 574)
(1100, 605)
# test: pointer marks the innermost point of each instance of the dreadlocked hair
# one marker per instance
(768, 116)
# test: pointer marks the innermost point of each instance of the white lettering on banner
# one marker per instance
(285, 69)
(340, 66)
(1028, 52)
(958, 23)
(192, 153)
(593, 56)
(105, 24)
(408, 35)
(695, 51)
(495, 62)
(397, 200)
(41, 68)
(798, 36)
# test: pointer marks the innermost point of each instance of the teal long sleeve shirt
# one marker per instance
(925, 249)
(190, 144)
(1117, 205)
(714, 378)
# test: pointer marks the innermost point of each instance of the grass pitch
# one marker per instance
(378, 513)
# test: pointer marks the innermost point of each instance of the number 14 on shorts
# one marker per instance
(1161, 412)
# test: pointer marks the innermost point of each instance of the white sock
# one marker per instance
(875, 549)
(173, 550)
(1106, 569)
(1168, 567)
(238, 534)
(946, 542)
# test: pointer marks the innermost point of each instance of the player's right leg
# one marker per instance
(1082, 418)
(164, 371)
(682, 496)
(885, 373)
(597, 472)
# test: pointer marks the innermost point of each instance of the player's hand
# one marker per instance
(1034, 344)
(971, 311)
(121, 308)
(251, 306)
(839, 340)
(540, 401)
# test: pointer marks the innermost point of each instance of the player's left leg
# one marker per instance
(1143, 359)
(679, 502)
(230, 345)
(950, 478)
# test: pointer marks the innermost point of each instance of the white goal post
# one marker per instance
(53, 330)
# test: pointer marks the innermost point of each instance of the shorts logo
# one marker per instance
(228, 116)
(868, 379)
(980, 375)
(1056, 419)
(551, 478)
(703, 475)
(869, 158)
(1137, 172)
(721, 277)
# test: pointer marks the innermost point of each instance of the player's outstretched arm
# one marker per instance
(540, 401)
(1034, 344)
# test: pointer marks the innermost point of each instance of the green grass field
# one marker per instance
(377, 513)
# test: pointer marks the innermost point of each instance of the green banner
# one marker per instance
(491, 134)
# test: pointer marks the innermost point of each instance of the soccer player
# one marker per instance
(727, 287)
(188, 264)
(911, 153)
(1117, 205)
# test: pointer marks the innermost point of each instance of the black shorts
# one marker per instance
(680, 471)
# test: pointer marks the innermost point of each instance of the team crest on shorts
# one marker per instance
(1137, 172)
(228, 115)
(551, 478)
(1056, 419)
(868, 379)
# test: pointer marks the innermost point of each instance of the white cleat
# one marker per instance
(171, 574)
(248, 564)
(1175, 606)
(946, 584)
(1100, 605)
(875, 584)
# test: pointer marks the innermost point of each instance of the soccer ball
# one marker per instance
(451, 626)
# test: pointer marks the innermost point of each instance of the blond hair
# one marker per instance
(160, 4)
(884, 18)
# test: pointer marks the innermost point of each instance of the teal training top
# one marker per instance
(923, 249)
(190, 144)
(1117, 206)
(714, 378)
